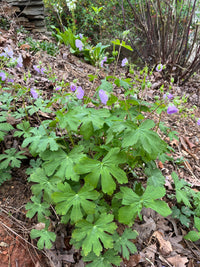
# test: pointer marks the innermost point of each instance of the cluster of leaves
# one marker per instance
(36, 46)
(91, 54)
(84, 161)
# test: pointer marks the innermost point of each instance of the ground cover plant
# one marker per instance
(86, 149)
(84, 159)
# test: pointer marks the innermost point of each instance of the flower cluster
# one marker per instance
(9, 54)
(79, 92)
(71, 4)
(39, 69)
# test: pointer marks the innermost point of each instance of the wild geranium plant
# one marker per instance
(85, 158)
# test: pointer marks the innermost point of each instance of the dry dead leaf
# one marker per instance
(149, 253)
(160, 165)
(190, 144)
(133, 260)
(174, 142)
(178, 261)
(165, 246)
(25, 47)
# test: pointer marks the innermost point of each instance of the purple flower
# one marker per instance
(42, 70)
(124, 62)
(34, 93)
(73, 87)
(20, 62)
(103, 96)
(9, 80)
(58, 88)
(80, 35)
(2, 76)
(3, 55)
(198, 122)
(172, 109)
(79, 92)
(38, 69)
(104, 60)
(168, 95)
(79, 44)
(159, 67)
(8, 51)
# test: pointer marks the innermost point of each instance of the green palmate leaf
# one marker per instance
(197, 223)
(96, 117)
(69, 202)
(4, 127)
(192, 236)
(43, 184)
(124, 83)
(182, 194)
(11, 158)
(155, 177)
(34, 165)
(106, 260)
(92, 237)
(24, 129)
(122, 243)
(144, 138)
(70, 120)
(5, 175)
(61, 164)
(41, 140)
(134, 203)
(106, 86)
(103, 170)
(36, 206)
(45, 238)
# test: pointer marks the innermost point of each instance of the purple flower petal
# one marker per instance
(104, 60)
(9, 80)
(20, 62)
(168, 95)
(172, 109)
(79, 92)
(34, 93)
(42, 70)
(9, 51)
(81, 35)
(58, 88)
(36, 68)
(103, 96)
(198, 122)
(2, 76)
(159, 67)
(79, 44)
(73, 87)
(124, 62)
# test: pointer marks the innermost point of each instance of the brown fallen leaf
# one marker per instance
(133, 260)
(190, 144)
(178, 261)
(184, 145)
(165, 246)
(160, 165)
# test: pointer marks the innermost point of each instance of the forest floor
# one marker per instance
(160, 241)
